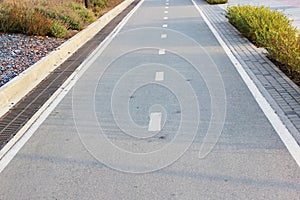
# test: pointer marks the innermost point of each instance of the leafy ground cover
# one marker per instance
(271, 30)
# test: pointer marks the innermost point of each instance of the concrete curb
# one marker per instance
(17, 88)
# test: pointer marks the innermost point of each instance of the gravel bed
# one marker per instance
(18, 52)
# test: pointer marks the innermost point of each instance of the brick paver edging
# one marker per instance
(281, 93)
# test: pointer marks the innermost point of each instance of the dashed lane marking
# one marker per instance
(159, 76)
(155, 121)
(162, 52)
(163, 36)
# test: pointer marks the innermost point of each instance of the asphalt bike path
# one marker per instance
(158, 111)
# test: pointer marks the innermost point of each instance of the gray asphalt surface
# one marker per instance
(96, 143)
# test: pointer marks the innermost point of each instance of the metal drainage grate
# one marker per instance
(16, 117)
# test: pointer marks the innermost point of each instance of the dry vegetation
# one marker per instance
(58, 18)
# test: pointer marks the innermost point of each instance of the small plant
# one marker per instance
(86, 15)
(36, 24)
(217, 1)
(58, 30)
(97, 5)
(272, 30)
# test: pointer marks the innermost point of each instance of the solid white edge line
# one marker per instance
(284, 134)
(41, 115)
(155, 121)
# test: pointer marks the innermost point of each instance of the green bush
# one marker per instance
(216, 1)
(97, 5)
(73, 15)
(58, 30)
(36, 24)
(269, 29)
(86, 15)
(7, 19)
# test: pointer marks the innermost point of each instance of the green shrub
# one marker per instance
(86, 15)
(269, 29)
(58, 30)
(11, 18)
(73, 15)
(5, 23)
(97, 5)
(217, 1)
(72, 21)
(36, 24)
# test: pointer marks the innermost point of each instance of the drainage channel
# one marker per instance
(19, 114)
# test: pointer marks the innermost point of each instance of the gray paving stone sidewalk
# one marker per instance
(282, 94)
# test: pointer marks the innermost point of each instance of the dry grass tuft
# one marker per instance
(56, 18)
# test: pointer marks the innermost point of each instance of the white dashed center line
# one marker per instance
(163, 36)
(159, 76)
(155, 117)
(165, 26)
(165, 18)
(166, 12)
(155, 121)
(162, 52)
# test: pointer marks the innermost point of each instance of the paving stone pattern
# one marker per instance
(275, 85)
